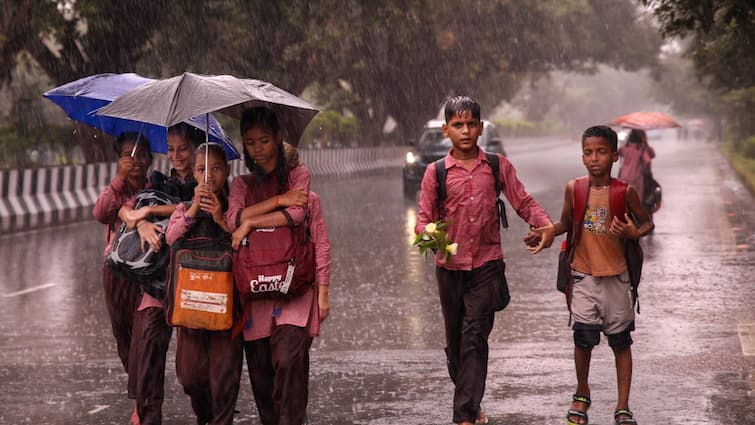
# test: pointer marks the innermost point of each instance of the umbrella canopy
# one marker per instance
(645, 121)
(81, 97)
(166, 102)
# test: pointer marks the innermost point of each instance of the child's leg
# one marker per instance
(226, 356)
(582, 357)
(121, 299)
(192, 370)
(149, 349)
(451, 293)
(477, 310)
(623, 375)
(260, 367)
(289, 346)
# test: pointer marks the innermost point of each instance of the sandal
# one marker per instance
(628, 420)
(581, 414)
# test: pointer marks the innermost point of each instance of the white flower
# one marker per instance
(425, 237)
(452, 248)
(431, 228)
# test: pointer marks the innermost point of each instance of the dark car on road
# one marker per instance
(433, 146)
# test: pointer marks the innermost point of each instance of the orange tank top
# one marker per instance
(598, 252)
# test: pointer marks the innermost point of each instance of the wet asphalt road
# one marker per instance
(380, 359)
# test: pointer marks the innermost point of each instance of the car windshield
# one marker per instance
(431, 137)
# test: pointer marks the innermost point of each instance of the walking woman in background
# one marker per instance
(636, 157)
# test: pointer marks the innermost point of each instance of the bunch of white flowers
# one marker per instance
(436, 239)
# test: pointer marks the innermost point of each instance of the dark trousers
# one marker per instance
(468, 301)
(208, 366)
(149, 349)
(121, 299)
(279, 373)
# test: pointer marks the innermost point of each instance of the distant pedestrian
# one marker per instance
(601, 294)
(636, 158)
(469, 281)
(122, 296)
(208, 363)
(278, 332)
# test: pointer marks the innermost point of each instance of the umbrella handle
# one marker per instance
(138, 138)
(206, 146)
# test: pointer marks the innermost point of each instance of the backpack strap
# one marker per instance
(617, 192)
(580, 196)
(440, 176)
(496, 168)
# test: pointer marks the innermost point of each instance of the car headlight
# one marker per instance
(410, 158)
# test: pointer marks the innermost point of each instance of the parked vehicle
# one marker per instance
(433, 146)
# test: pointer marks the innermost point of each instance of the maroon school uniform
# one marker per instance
(121, 297)
(208, 363)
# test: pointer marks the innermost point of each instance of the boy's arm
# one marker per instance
(428, 200)
(548, 233)
(525, 205)
(624, 227)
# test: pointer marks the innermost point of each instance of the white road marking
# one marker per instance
(747, 338)
(98, 408)
(27, 290)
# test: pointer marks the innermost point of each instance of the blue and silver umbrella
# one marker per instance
(81, 97)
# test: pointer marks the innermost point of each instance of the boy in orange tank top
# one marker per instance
(601, 294)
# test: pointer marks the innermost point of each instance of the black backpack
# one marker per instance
(126, 256)
(440, 175)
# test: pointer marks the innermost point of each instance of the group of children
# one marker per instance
(600, 297)
(277, 332)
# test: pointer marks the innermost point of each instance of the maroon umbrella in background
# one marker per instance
(645, 121)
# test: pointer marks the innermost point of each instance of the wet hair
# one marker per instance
(604, 132)
(261, 116)
(635, 136)
(131, 136)
(459, 104)
(213, 149)
(188, 132)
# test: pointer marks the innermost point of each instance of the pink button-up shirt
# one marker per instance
(108, 203)
(470, 209)
(301, 311)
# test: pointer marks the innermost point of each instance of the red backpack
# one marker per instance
(633, 254)
(277, 261)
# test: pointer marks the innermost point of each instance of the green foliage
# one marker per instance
(330, 129)
(743, 164)
(393, 58)
(721, 36)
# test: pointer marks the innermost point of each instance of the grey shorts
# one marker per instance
(605, 302)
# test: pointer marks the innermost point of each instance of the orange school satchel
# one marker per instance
(200, 288)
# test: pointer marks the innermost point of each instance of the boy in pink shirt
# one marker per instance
(469, 281)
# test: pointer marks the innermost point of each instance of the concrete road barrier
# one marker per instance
(41, 197)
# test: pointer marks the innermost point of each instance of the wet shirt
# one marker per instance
(632, 158)
(471, 210)
(108, 203)
(598, 252)
(266, 314)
